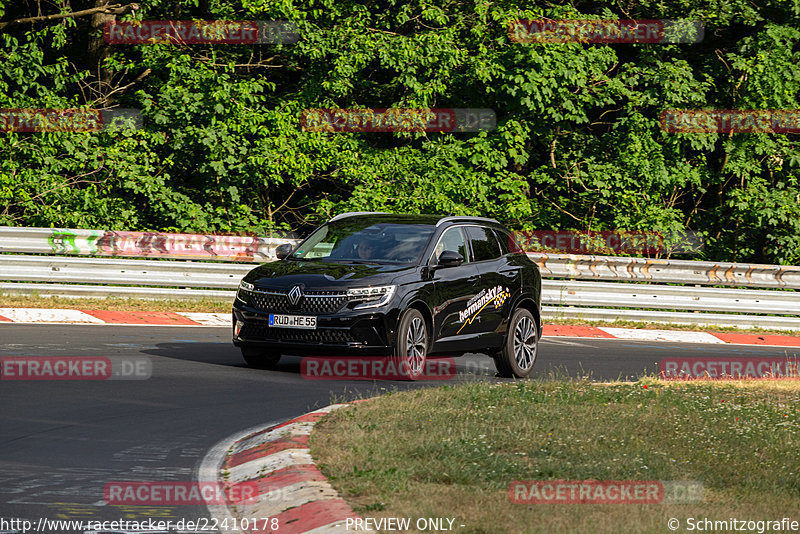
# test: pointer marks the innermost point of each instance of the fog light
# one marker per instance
(238, 327)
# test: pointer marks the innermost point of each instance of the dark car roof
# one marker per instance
(433, 220)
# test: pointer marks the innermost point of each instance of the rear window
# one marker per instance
(508, 242)
(484, 243)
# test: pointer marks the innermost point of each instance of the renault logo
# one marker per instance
(294, 295)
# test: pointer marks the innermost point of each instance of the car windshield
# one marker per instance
(358, 240)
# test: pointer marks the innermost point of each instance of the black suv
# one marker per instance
(398, 286)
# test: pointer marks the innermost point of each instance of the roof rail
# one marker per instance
(466, 217)
(353, 213)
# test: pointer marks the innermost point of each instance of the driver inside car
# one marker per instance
(365, 250)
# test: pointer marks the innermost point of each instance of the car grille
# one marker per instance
(326, 336)
(311, 303)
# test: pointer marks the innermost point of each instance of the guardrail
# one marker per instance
(667, 271)
(139, 244)
(660, 297)
(113, 243)
(122, 272)
(610, 296)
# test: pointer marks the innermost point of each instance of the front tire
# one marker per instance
(411, 349)
(259, 358)
(518, 355)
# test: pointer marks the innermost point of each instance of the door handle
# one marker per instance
(472, 279)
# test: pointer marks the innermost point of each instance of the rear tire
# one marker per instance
(411, 349)
(259, 358)
(518, 355)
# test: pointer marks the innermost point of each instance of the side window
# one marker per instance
(508, 242)
(452, 239)
(503, 240)
(484, 243)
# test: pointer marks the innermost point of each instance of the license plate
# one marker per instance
(308, 322)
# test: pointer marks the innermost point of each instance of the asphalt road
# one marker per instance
(61, 442)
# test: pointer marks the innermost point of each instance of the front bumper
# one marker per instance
(347, 333)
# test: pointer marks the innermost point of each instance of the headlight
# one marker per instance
(244, 286)
(370, 297)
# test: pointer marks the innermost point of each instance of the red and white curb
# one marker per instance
(678, 336)
(137, 318)
(102, 317)
(292, 493)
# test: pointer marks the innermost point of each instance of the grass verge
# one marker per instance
(453, 451)
(117, 304)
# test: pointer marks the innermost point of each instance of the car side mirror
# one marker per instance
(450, 258)
(283, 251)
